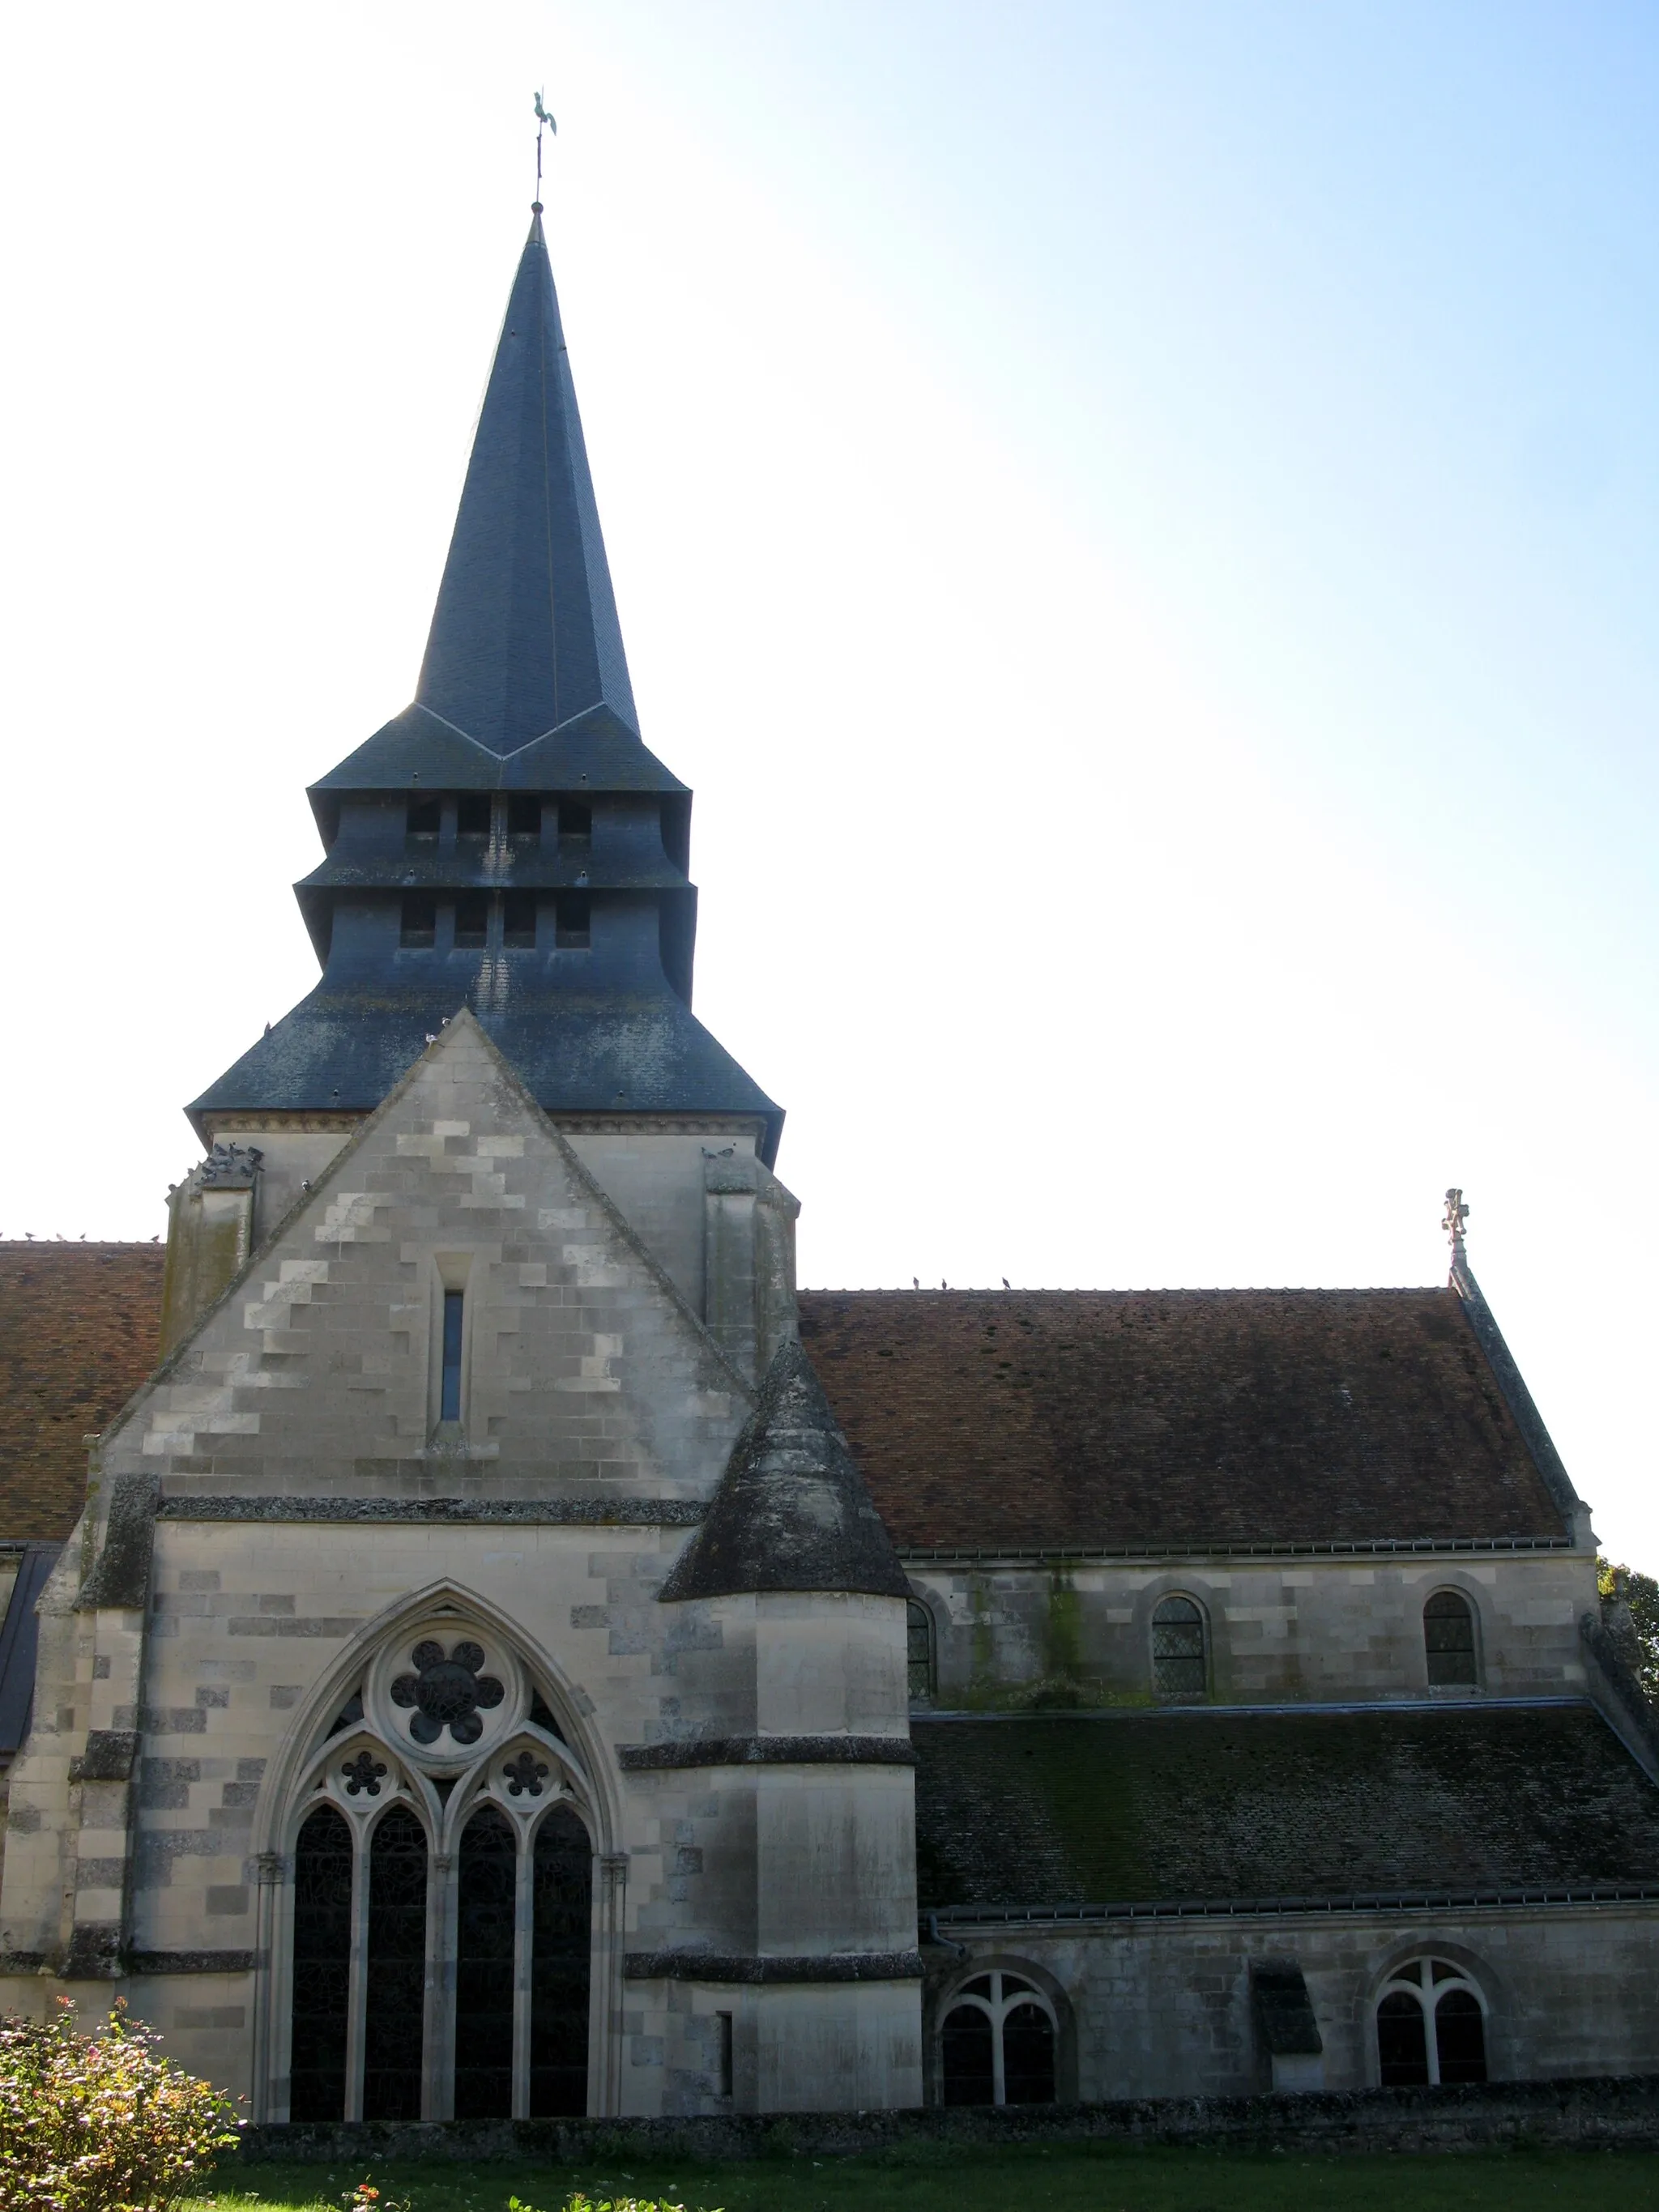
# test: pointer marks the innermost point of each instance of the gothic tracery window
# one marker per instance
(442, 1904)
(1431, 2026)
(997, 2044)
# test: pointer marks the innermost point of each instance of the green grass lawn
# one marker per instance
(934, 2177)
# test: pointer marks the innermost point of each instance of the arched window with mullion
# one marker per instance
(998, 2043)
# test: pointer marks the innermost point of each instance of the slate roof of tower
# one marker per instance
(1100, 1420)
(80, 1329)
(1158, 1807)
(524, 689)
(791, 1512)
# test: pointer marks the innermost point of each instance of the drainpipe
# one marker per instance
(943, 1942)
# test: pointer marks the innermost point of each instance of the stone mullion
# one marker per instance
(357, 1983)
(524, 1955)
(605, 2031)
(438, 2088)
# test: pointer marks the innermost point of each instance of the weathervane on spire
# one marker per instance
(544, 122)
(1455, 1215)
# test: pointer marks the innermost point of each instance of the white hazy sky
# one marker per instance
(1138, 522)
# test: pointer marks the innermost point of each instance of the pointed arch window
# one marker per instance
(441, 1855)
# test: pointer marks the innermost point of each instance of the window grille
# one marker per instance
(997, 2044)
(1180, 1662)
(919, 1652)
(1430, 2026)
(1449, 1638)
(443, 1891)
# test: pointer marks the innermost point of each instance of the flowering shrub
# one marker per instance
(578, 2202)
(365, 2197)
(100, 2122)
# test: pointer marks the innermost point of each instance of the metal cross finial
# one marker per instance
(544, 122)
(1455, 1215)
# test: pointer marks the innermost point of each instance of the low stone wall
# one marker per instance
(1590, 2114)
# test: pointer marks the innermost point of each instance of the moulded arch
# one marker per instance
(1489, 1984)
(587, 1752)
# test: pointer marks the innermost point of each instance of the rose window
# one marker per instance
(447, 1691)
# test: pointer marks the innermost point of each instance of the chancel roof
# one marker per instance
(1149, 1808)
(80, 1329)
(1106, 1420)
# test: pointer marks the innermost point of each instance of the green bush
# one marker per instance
(100, 2123)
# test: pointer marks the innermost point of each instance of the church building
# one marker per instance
(507, 1652)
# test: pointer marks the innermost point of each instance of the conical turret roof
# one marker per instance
(791, 1512)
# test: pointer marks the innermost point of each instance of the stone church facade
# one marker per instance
(513, 1653)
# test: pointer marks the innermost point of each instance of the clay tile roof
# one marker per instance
(79, 1325)
(1095, 1420)
(1146, 1808)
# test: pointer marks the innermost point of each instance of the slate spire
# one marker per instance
(524, 635)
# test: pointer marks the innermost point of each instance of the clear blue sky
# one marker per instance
(1139, 522)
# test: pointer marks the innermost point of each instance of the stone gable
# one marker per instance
(587, 1377)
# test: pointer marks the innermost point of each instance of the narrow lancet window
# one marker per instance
(394, 2038)
(449, 1402)
(322, 1966)
(483, 1968)
(562, 1911)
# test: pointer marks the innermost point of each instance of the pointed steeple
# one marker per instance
(524, 635)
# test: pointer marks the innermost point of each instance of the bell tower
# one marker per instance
(508, 844)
